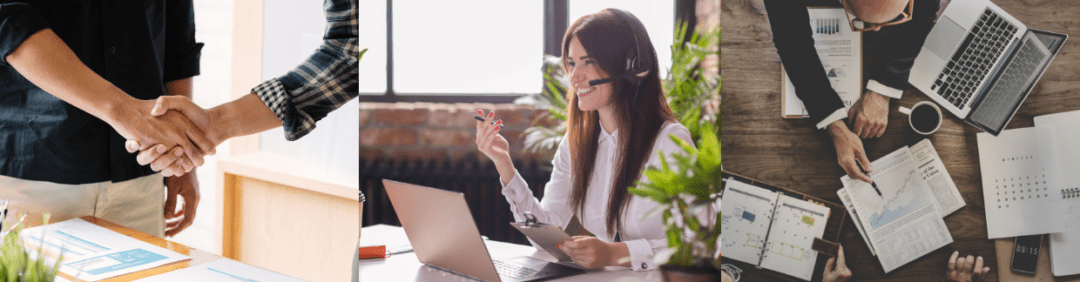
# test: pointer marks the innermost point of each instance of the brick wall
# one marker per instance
(439, 131)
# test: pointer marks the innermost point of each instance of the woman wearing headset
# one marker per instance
(615, 127)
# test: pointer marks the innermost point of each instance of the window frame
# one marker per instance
(555, 24)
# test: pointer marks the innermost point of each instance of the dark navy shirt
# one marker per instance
(138, 46)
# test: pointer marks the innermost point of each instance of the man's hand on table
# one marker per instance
(965, 269)
(849, 151)
(870, 115)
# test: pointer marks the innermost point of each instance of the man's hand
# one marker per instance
(171, 129)
(836, 268)
(965, 269)
(186, 186)
(849, 151)
(870, 115)
(156, 156)
(592, 253)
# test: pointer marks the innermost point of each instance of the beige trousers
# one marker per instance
(137, 204)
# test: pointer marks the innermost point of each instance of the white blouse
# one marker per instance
(643, 237)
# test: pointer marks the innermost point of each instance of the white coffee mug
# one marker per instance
(937, 111)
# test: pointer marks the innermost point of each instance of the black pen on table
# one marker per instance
(872, 182)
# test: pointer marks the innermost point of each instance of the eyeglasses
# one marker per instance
(858, 25)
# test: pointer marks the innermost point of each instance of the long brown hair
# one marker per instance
(607, 38)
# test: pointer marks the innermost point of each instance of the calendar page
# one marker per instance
(1020, 187)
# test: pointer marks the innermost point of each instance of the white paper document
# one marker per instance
(1065, 246)
(221, 270)
(771, 230)
(92, 252)
(840, 51)
(946, 196)
(903, 222)
(1019, 177)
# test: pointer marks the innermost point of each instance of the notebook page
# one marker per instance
(1019, 180)
(795, 225)
(1065, 246)
(745, 219)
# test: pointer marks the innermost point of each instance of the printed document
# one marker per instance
(1019, 178)
(92, 252)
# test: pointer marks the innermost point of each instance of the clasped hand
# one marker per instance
(172, 136)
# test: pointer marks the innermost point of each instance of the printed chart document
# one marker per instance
(1065, 246)
(903, 222)
(771, 230)
(840, 51)
(1019, 177)
(221, 270)
(92, 252)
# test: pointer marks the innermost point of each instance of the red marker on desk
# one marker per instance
(374, 252)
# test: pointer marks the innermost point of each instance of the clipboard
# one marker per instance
(545, 235)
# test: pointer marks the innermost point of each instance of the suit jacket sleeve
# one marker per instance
(794, 43)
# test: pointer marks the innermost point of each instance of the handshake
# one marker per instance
(171, 134)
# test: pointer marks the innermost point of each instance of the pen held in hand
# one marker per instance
(872, 183)
(481, 118)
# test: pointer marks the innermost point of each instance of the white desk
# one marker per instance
(405, 267)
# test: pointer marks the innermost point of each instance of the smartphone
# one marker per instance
(1026, 253)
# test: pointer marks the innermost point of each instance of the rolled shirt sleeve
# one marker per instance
(18, 21)
(325, 81)
(182, 53)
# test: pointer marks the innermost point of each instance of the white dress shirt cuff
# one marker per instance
(890, 92)
(640, 255)
(516, 192)
(839, 114)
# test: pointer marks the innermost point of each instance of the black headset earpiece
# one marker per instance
(635, 64)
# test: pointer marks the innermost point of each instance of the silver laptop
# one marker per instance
(443, 235)
(980, 63)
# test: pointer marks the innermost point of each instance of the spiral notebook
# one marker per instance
(1065, 246)
(771, 230)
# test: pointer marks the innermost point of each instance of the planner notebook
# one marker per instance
(1065, 246)
(771, 230)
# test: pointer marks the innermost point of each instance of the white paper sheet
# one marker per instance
(946, 196)
(92, 252)
(795, 224)
(846, 199)
(903, 222)
(1065, 246)
(745, 220)
(840, 51)
(1019, 179)
(221, 270)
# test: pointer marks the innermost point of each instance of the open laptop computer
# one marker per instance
(443, 235)
(980, 63)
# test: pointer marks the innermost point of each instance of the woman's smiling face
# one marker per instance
(582, 69)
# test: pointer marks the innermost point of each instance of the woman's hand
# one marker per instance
(494, 146)
(592, 253)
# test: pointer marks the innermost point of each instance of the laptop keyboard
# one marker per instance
(969, 65)
(1009, 88)
(513, 270)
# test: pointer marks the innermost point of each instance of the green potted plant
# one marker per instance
(15, 262)
(684, 193)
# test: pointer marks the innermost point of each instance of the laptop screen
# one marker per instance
(1012, 83)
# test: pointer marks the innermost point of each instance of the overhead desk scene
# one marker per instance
(938, 138)
(531, 143)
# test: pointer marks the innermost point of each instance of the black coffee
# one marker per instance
(924, 118)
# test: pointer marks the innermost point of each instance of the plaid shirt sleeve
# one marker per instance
(323, 83)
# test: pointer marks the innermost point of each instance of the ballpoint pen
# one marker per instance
(872, 183)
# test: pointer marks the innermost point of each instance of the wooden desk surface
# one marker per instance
(197, 256)
(757, 143)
